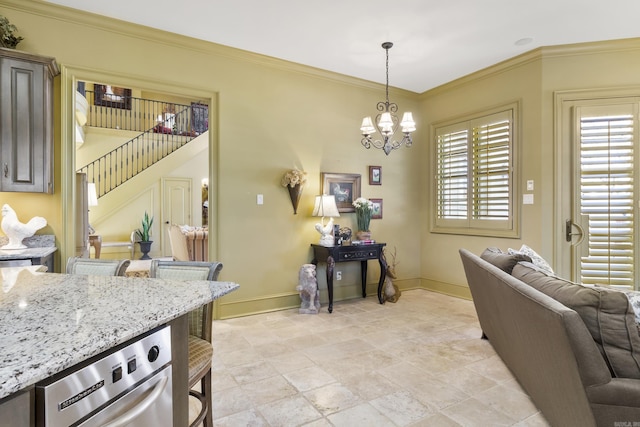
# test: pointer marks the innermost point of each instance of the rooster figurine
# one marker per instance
(326, 232)
(17, 231)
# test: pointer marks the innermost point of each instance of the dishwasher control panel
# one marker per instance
(65, 399)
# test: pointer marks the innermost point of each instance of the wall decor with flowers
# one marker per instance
(294, 181)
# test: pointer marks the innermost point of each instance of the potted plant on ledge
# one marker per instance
(8, 38)
(144, 236)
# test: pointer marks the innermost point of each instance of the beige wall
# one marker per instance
(533, 79)
(272, 116)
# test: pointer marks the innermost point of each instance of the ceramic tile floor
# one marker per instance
(418, 362)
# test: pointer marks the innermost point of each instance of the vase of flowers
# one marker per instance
(294, 180)
(364, 210)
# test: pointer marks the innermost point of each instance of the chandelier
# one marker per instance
(387, 122)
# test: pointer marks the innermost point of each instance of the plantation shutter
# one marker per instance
(452, 175)
(607, 191)
(491, 171)
(474, 173)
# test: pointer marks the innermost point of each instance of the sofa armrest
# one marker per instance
(617, 392)
(616, 402)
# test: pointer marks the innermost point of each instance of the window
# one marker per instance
(474, 175)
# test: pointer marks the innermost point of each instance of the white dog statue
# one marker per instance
(308, 288)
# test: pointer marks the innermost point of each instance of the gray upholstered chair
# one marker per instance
(200, 348)
(97, 267)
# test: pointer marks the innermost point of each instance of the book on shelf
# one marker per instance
(362, 242)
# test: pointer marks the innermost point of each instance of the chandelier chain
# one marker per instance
(387, 87)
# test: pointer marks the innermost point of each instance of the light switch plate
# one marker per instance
(527, 199)
(260, 199)
(530, 185)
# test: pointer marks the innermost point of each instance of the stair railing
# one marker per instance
(134, 156)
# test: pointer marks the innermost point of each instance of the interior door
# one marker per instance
(602, 230)
(176, 207)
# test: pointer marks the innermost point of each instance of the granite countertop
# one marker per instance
(49, 321)
(28, 253)
(38, 246)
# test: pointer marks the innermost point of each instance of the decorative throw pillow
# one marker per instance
(634, 300)
(502, 260)
(535, 258)
(606, 313)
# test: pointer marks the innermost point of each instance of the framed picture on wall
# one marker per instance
(112, 96)
(377, 208)
(344, 186)
(375, 175)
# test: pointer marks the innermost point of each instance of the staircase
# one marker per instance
(167, 127)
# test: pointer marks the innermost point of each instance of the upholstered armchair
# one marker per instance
(198, 244)
(189, 243)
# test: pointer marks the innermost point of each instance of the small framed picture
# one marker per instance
(377, 208)
(375, 175)
(112, 96)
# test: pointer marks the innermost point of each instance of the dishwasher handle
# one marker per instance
(129, 416)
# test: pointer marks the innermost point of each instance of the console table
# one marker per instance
(332, 254)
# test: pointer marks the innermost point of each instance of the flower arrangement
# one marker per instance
(293, 178)
(364, 210)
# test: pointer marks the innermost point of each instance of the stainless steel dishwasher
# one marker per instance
(128, 386)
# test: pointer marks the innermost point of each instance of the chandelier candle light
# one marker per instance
(387, 121)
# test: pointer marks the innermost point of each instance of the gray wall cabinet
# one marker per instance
(26, 121)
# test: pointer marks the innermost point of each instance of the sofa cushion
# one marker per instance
(606, 313)
(536, 259)
(502, 260)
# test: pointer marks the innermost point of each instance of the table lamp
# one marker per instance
(325, 206)
(92, 200)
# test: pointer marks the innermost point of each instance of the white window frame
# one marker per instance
(469, 221)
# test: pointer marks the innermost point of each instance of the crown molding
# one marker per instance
(116, 26)
(538, 54)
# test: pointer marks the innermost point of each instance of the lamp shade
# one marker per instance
(408, 125)
(92, 195)
(325, 206)
(386, 124)
(367, 126)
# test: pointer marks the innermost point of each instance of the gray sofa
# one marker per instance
(577, 372)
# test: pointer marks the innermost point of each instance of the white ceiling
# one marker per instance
(435, 41)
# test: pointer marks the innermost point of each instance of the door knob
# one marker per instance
(568, 231)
